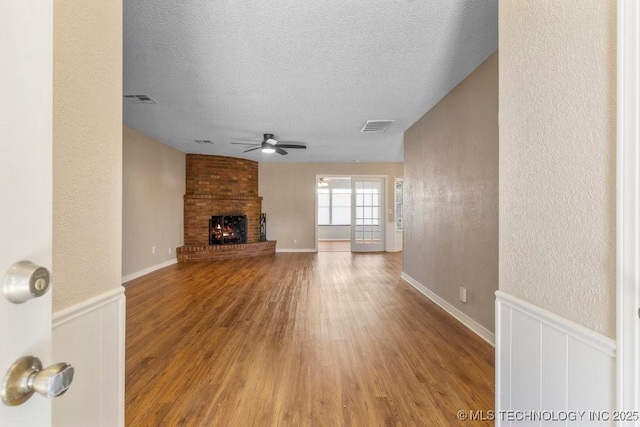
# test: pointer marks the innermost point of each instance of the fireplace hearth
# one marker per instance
(227, 229)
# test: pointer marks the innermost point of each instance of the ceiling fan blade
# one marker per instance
(292, 146)
(251, 149)
(244, 143)
(280, 151)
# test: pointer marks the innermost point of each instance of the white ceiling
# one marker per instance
(308, 71)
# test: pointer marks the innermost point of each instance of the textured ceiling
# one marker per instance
(308, 71)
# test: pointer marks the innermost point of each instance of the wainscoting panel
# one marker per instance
(525, 358)
(91, 336)
(553, 354)
(550, 367)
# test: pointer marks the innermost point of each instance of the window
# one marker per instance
(340, 206)
(368, 203)
(324, 206)
(334, 206)
(399, 203)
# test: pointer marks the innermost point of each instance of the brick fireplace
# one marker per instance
(221, 186)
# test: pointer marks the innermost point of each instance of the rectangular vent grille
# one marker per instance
(139, 99)
(203, 141)
(376, 125)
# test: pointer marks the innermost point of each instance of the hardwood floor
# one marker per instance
(334, 246)
(297, 339)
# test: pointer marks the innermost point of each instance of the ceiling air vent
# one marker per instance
(376, 126)
(203, 141)
(139, 99)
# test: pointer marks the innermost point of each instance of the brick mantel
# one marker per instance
(217, 185)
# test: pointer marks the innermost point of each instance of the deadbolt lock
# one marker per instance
(24, 281)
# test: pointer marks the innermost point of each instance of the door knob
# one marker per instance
(26, 376)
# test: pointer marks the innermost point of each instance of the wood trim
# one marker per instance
(628, 200)
(467, 321)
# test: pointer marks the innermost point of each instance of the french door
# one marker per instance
(367, 214)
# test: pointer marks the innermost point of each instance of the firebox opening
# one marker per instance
(228, 229)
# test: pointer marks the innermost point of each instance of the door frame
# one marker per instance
(385, 183)
(627, 206)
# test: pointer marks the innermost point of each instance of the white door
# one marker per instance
(26, 36)
(367, 214)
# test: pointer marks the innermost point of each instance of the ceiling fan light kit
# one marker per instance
(267, 148)
(270, 145)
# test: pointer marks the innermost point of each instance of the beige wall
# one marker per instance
(87, 149)
(152, 201)
(557, 157)
(451, 191)
(289, 196)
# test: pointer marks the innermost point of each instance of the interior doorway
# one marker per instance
(350, 213)
(333, 223)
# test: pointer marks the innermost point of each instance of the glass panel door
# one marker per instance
(367, 214)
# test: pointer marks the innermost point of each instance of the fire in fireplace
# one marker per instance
(227, 229)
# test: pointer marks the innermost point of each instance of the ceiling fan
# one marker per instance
(270, 145)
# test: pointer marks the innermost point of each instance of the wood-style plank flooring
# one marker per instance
(334, 246)
(297, 339)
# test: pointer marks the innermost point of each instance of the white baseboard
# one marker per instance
(130, 277)
(295, 250)
(548, 364)
(476, 327)
(91, 337)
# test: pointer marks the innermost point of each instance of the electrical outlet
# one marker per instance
(295, 241)
(169, 251)
(153, 249)
(463, 294)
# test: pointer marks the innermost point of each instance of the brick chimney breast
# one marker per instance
(217, 185)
